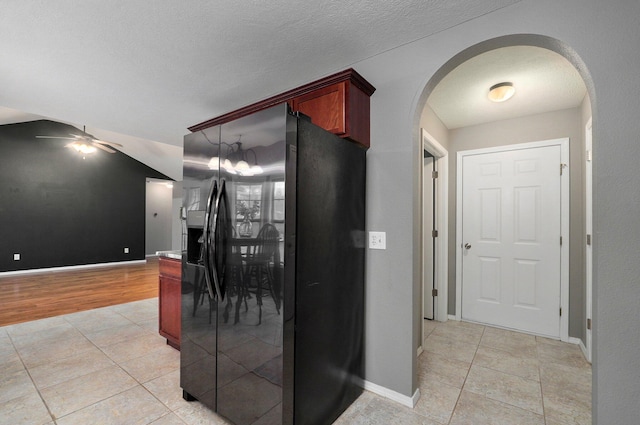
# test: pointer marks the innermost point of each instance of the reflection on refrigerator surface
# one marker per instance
(250, 330)
(238, 335)
(273, 270)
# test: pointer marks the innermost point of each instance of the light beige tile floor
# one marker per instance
(110, 366)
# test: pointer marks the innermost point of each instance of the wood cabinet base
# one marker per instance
(169, 299)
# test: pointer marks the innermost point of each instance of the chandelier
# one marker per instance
(236, 160)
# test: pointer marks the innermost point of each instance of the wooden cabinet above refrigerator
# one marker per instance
(338, 103)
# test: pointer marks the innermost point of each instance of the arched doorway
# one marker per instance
(576, 291)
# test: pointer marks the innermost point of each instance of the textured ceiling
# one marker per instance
(544, 81)
(151, 69)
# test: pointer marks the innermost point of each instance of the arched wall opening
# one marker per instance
(533, 40)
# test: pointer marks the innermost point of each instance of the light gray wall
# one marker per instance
(551, 125)
(176, 226)
(580, 310)
(431, 122)
(601, 39)
(158, 218)
(391, 340)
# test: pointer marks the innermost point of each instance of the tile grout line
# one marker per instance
(26, 369)
(506, 351)
(84, 333)
(466, 376)
(520, 377)
(99, 349)
(544, 410)
(138, 383)
(115, 363)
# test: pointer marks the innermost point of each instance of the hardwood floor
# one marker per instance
(40, 295)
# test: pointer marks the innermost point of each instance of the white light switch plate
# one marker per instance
(377, 240)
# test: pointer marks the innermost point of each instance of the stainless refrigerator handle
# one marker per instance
(207, 240)
(216, 278)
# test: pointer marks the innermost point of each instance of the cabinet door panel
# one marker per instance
(326, 107)
(170, 297)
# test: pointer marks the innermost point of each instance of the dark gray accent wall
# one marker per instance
(60, 209)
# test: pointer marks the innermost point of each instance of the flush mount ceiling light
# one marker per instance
(501, 92)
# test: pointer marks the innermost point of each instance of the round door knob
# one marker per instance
(467, 246)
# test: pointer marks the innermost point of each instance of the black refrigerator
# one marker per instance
(273, 270)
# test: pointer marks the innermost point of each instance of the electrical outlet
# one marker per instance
(126, 250)
(377, 240)
(16, 257)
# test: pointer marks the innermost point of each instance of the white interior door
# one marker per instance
(511, 236)
(428, 217)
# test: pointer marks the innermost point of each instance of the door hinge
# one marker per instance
(562, 166)
(434, 174)
(434, 233)
(434, 292)
(588, 324)
(560, 311)
(560, 240)
(588, 239)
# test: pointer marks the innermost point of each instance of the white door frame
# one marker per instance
(564, 223)
(441, 158)
(589, 231)
(428, 224)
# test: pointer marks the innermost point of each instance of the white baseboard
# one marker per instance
(579, 343)
(573, 340)
(452, 317)
(583, 347)
(392, 395)
(67, 268)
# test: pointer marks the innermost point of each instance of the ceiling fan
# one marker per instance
(85, 143)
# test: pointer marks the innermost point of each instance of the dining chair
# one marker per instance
(260, 264)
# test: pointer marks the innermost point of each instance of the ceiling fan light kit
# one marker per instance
(83, 148)
(501, 92)
(85, 143)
